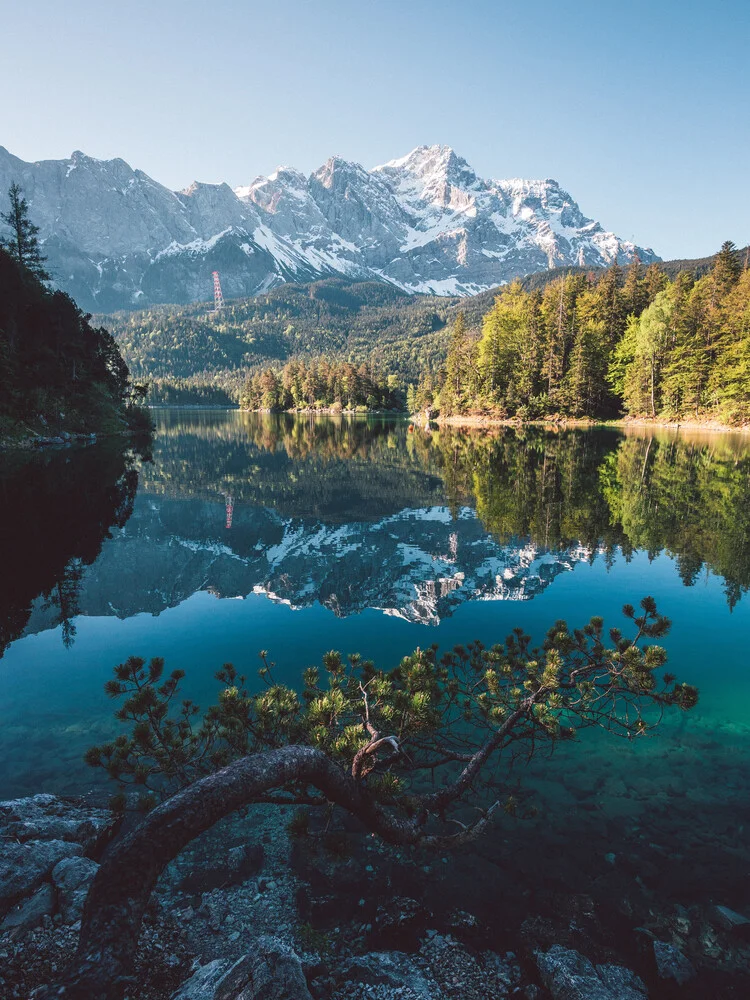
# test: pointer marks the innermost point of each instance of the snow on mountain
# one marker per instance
(420, 565)
(426, 222)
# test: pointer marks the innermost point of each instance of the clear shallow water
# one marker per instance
(297, 536)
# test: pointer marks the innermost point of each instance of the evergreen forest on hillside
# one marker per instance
(57, 371)
(362, 322)
(668, 341)
(588, 346)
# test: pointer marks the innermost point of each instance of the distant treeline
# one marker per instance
(200, 390)
(322, 384)
(595, 346)
(362, 322)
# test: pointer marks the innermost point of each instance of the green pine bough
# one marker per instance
(358, 738)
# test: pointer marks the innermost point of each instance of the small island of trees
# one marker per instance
(322, 385)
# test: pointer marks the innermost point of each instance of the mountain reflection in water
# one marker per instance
(360, 513)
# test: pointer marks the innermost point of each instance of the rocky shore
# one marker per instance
(263, 907)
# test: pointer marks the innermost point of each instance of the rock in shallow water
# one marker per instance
(272, 971)
(23, 867)
(672, 964)
(30, 911)
(568, 975)
(47, 817)
(72, 878)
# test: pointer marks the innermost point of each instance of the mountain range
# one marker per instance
(420, 565)
(117, 239)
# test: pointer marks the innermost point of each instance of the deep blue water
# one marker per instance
(361, 536)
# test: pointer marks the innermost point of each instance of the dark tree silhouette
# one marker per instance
(23, 242)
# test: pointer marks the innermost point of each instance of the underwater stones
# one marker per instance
(568, 975)
(72, 878)
(672, 964)
(271, 971)
(731, 920)
(48, 817)
(30, 911)
(386, 968)
(23, 867)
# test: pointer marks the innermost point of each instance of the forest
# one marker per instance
(57, 371)
(599, 345)
(360, 322)
(668, 341)
(322, 385)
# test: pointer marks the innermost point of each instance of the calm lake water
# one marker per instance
(297, 535)
(243, 532)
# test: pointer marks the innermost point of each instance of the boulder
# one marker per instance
(401, 922)
(29, 912)
(48, 817)
(386, 968)
(23, 867)
(72, 878)
(203, 984)
(731, 920)
(671, 963)
(241, 863)
(272, 971)
(568, 975)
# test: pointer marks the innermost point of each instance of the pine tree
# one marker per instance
(727, 268)
(654, 282)
(642, 388)
(23, 242)
(453, 392)
(633, 291)
(503, 333)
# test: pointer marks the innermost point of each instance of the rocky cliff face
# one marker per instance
(115, 238)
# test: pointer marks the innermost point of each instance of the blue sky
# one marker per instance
(641, 110)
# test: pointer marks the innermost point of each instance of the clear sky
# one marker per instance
(640, 109)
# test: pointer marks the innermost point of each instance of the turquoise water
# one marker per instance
(248, 532)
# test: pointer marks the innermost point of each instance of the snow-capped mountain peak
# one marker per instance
(425, 222)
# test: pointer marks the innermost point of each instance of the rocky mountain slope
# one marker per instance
(116, 239)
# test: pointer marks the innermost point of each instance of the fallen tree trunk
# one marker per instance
(102, 968)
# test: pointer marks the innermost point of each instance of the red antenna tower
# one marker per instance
(218, 297)
(229, 500)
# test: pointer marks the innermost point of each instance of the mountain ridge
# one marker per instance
(425, 222)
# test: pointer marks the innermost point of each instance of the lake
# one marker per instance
(298, 535)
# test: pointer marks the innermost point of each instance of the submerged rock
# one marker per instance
(30, 911)
(672, 964)
(72, 878)
(23, 867)
(48, 817)
(272, 971)
(568, 975)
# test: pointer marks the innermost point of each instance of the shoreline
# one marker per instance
(329, 411)
(621, 423)
(63, 439)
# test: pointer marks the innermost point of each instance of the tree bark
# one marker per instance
(102, 967)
